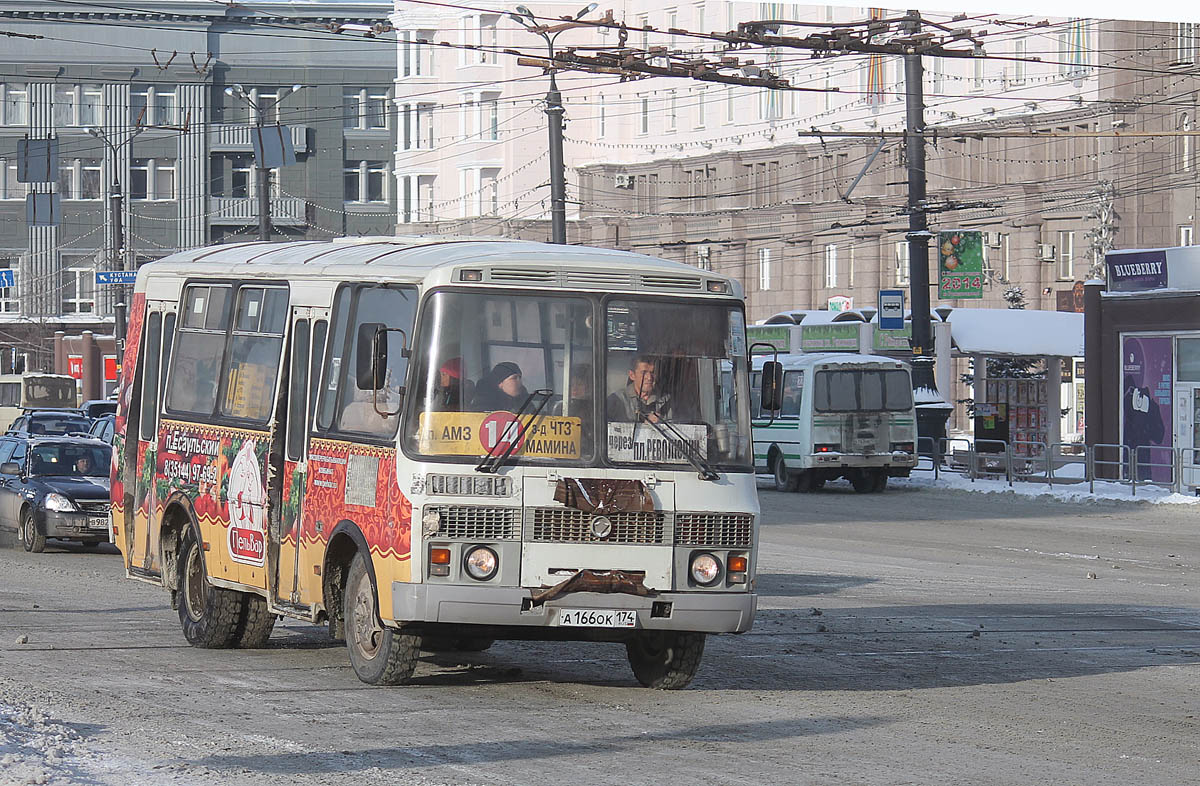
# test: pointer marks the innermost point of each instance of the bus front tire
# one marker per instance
(210, 615)
(665, 660)
(785, 479)
(379, 655)
(32, 540)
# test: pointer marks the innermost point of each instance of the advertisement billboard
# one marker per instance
(1147, 367)
(960, 265)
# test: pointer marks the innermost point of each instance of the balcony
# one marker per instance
(244, 210)
(227, 138)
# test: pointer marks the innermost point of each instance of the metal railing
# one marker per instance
(1051, 463)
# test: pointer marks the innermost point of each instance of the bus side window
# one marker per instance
(150, 374)
(197, 360)
(168, 340)
(298, 387)
(755, 399)
(383, 306)
(337, 350)
(793, 388)
(320, 328)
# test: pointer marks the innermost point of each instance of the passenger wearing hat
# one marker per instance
(500, 389)
(448, 393)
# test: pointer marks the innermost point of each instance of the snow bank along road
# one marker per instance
(916, 636)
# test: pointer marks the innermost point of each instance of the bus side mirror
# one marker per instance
(372, 356)
(771, 394)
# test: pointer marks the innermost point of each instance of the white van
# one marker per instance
(841, 415)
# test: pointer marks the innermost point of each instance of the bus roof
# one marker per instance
(434, 260)
(804, 360)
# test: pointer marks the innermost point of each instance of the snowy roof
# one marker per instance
(1023, 332)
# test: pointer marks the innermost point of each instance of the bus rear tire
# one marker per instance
(785, 479)
(210, 615)
(665, 660)
(863, 480)
(379, 655)
(256, 622)
(881, 480)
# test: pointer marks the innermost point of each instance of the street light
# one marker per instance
(554, 115)
(116, 239)
(263, 173)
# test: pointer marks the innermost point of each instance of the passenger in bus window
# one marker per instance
(448, 396)
(579, 397)
(500, 389)
(640, 400)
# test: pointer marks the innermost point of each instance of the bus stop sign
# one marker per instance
(891, 309)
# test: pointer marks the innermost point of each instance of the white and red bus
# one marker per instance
(440, 442)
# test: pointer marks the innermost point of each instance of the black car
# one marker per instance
(50, 422)
(98, 407)
(54, 488)
(103, 428)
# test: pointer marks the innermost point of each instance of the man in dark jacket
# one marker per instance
(639, 400)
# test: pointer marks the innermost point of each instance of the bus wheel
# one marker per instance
(881, 479)
(379, 655)
(31, 539)
(209, 614)
(785, 479)
(665, 660)
(254, 626)
(863, 480)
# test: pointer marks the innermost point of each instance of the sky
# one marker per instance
(1148, 10)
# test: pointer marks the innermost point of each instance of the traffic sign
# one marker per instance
(8, 277)
(891, 309)
(111, 277)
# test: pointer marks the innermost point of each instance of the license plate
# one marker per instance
(597, 618)
(97, 522)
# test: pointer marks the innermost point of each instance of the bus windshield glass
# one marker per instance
(862, 390)
(675, 383)
(49, 391)
(482, 358)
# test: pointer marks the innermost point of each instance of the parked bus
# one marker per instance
(34, 390)
(439, 442)
(841, 415)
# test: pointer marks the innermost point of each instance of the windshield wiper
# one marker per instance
(690, 451)
(493, 461)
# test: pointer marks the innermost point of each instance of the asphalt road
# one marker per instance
(913, 637)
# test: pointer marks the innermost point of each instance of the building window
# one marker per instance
(672, 110)
(850, 268)
(1073, 49)
(901, 275)
(701, 107)
(416, 59)
(79, 178)
(486, 38)
(601, 117)
(416, 198)
(977, 74)
(1065, 253)
(153, 106)
(703, 258)
(15, 105)
(1019, 66)
(417, 126)
(730, 105)
(1186, 34)
(1185, 235)
(79, 290)
(488, 110)
(644, 120)
(487, 198)
(764, 269)
(365, 181)
(831, 273)
(1184, 144)
(9, 302)
(364, 110)
(152, 179)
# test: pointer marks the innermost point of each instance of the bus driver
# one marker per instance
(638, 401)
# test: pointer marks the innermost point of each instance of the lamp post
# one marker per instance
(262, 179)
(116, 234)
(554, 116)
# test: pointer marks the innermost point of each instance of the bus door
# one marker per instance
(155, 359)
(305, 352)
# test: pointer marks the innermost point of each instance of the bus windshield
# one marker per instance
(675, 379)
(482, 356)
(859, 390)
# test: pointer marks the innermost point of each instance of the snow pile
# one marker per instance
(1076, 492)
(36, 750)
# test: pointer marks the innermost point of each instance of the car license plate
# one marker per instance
(97, 522)
(597, 618)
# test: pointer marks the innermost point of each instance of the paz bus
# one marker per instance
(431, 442)
(34, 390)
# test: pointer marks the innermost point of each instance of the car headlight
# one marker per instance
(59, 504)
(705, 569)
(481, 563)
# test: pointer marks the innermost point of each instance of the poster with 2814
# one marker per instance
(960, 264)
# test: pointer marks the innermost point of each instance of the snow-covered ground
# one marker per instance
(1072, 492)
(34, 749)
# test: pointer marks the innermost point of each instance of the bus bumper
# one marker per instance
(701, 612)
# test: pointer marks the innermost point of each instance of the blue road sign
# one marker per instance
(110, 277)
(8, 277)
(891, 309)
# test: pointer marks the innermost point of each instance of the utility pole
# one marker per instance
(918, 220)
(262, 172)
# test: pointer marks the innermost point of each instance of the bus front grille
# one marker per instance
(735, 530)
(567, 525)
(476, 522)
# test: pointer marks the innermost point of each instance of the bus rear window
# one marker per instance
(859, 390)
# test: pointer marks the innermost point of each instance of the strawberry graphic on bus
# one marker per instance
(247, 501)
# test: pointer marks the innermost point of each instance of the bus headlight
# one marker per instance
(705, 569)
(481, 563)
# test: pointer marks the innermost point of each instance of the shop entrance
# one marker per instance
(1187, 403)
